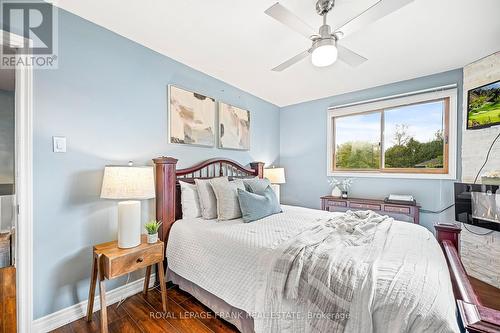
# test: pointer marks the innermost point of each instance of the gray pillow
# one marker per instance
(254, 206)
(208, 201)
(256, 185)
(228, 207)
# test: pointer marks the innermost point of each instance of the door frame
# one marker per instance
(24, 186)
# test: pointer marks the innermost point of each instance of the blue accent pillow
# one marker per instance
(256, 185)
(254, 206)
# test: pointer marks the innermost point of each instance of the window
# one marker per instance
(407, 137)
(358, 141)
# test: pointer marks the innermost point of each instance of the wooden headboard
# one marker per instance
(168, 197)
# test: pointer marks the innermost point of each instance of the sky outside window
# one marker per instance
(423, 121)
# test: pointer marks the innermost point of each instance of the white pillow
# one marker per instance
(190, 201)
(208, 201)
(226, 192)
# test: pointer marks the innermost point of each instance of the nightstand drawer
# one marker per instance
(114, 267)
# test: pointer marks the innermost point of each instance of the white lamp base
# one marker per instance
(129, 224)
(276, 189)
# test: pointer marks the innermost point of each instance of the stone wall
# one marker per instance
(480, 254)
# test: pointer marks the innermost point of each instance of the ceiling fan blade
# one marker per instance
(350, 57)
(291, 61)
(286, 17)
(372, 14)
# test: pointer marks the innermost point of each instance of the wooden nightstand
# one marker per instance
(109, 262)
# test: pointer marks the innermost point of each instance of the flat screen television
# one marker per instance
(483, 106)
(478, 204)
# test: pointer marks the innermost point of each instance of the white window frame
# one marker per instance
(391, 102)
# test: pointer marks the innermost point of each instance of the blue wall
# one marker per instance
(108, 98)
(303, 151)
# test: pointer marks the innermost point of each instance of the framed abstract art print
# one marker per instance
(234, 127)
(191, 117)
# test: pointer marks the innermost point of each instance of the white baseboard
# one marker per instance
(77, 311)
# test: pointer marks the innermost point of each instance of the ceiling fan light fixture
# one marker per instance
(324, 53)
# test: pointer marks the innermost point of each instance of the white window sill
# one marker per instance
(391, 175)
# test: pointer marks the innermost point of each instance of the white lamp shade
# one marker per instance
(128, 182)
(275, 175)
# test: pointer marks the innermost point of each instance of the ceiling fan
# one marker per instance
(325, 48)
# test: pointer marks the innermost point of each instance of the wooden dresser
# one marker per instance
(401, 212)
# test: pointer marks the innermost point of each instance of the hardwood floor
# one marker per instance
(186, 314)
(7, 299)
(143, 314)
(489, 295)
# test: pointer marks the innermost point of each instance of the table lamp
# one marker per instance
(276, 176)
(131, 184)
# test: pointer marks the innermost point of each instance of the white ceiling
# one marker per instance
(236, 42)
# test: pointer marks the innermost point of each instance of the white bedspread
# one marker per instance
(230, 260)
(223, 257)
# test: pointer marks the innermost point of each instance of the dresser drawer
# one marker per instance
(357, 205)
(396, 209)
(114, 267)
(337, 209)
(336, 203)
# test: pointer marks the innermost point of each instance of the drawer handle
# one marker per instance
(139, 260)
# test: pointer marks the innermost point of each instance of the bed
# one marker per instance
(226, 265)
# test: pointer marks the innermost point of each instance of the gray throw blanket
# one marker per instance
(321, 269)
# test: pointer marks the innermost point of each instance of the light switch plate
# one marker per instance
(59, 144)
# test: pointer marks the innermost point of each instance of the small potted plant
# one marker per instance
(152, 230)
